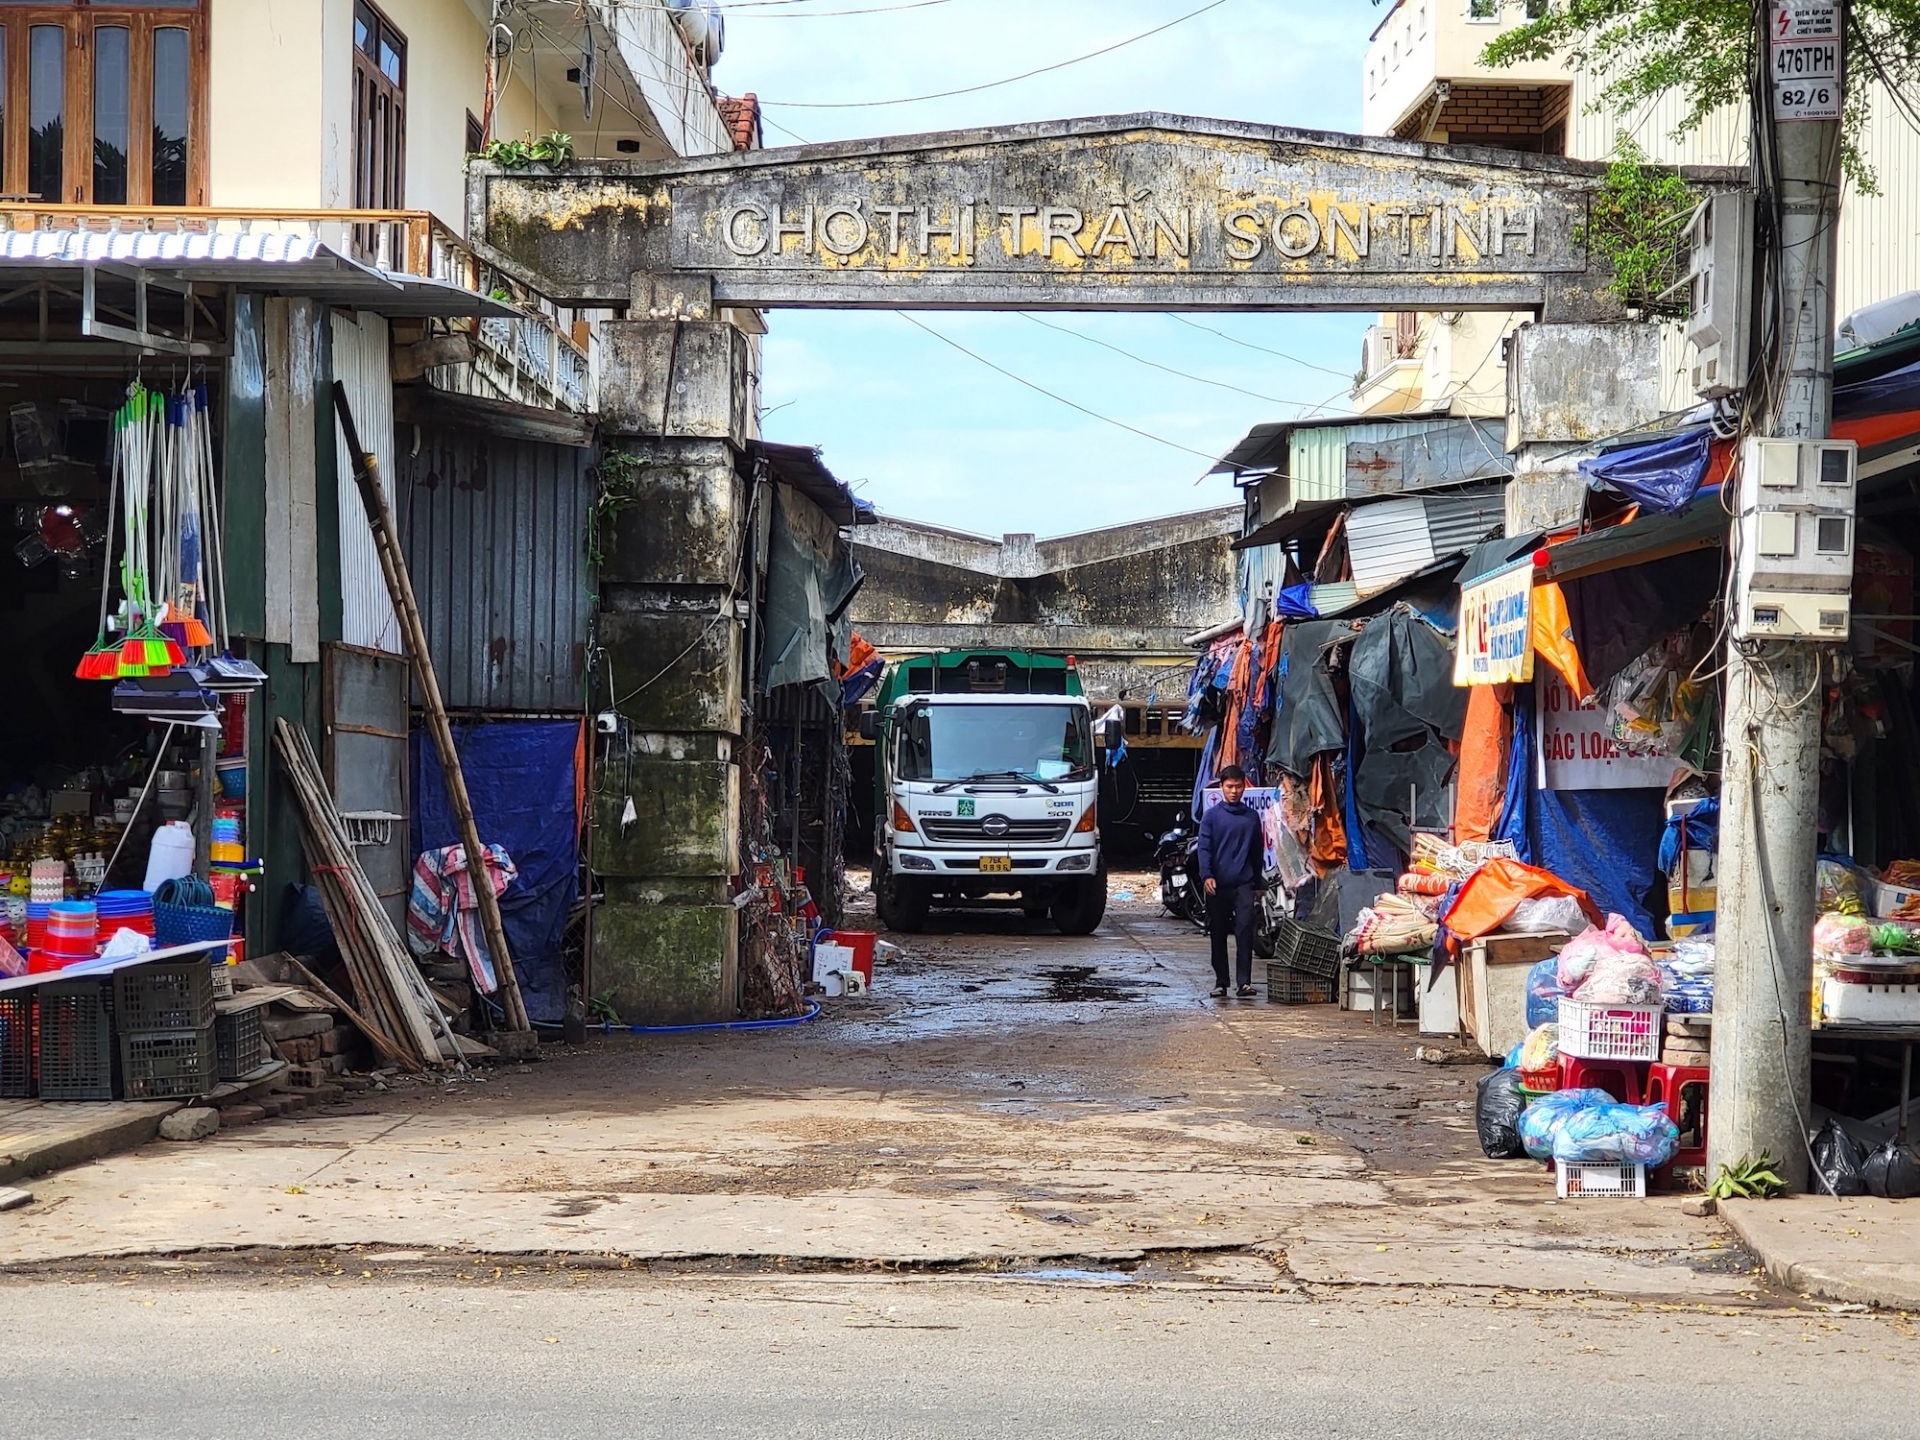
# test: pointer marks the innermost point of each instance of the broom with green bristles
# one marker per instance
(144, 651)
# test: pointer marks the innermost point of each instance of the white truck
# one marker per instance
(986, 785)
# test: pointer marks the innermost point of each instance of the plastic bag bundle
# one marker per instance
(1541, 1120)
(1580, 955)
(1837, 889)
(1614, 1133)
(1545, 913)
(1543, 991)
(1838, 1162)
(1541, 1048)
(1622, 978)
(1835, 935)
(1496, 1115)
(1892, 1171)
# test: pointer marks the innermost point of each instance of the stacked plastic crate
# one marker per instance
(164, 1013)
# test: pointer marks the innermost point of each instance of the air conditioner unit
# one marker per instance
(1794, 575)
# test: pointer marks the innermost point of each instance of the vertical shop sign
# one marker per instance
(1494, 645)
(1577, 752)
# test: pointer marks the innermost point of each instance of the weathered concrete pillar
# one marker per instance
(674, 404)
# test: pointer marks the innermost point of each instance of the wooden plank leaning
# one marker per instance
(413, 636)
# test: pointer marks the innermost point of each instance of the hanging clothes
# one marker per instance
(443, 912)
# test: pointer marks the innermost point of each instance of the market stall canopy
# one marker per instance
(280, 262)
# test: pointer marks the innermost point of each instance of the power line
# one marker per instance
(1041, 389)
(829, 14)
(1248, 344)
(993, 84)
(1156, 365)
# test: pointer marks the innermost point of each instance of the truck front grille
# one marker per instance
(974, 832)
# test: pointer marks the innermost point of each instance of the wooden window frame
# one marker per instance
(79, 20)
(369, 78)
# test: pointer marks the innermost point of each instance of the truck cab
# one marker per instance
(986, 778)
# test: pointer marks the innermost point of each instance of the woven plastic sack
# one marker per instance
(1606, 1134)
(1541, 1120)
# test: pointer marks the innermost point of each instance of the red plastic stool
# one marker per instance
(1619, 1078)
(1666, 1087)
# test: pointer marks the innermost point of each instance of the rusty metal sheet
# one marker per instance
(1147, 212)
(1447, 452)
(496, 541)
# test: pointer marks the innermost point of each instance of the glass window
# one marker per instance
(47, 113)
(112, 81)
(982, 742)
(170, 105)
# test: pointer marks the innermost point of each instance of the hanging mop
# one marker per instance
(180, 476)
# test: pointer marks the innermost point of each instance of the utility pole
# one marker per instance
(1760, 1088)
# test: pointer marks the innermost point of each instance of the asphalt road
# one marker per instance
(146, 1355)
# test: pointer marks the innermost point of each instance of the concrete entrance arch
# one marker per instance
(1144, 213)
(1134, 212)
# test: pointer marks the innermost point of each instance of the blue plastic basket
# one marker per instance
(191, 924)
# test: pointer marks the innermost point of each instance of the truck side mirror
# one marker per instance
(1113, 733)
(870, 725)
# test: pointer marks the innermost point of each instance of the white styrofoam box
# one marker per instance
(1888, 900)
(1843, 1002)
(831, 959)
(1440, 1002)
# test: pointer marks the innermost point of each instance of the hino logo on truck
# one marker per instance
(994, 825)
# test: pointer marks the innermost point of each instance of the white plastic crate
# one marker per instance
(1610, 1032)
(1581, 1179)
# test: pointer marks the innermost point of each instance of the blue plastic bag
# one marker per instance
(1541, 1120)
(1544, 992)
(1623, 1134)
(1513, 1056)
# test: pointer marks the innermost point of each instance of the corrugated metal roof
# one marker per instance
(1388, 541)
(1265, 446)
(496, 538)
(1457, 523)
(1317, 465)
(283, 261)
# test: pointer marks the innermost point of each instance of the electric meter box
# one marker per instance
(1720, 247)
(1793, 578)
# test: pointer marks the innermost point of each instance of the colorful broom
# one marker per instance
(144, 651)
(102, 662)
(179, 550)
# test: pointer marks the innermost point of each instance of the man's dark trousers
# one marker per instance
(1232, 908)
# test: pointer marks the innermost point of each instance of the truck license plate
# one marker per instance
(996, 862)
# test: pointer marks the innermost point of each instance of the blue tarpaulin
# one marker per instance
(1606, 842)
(521, 777)
(1295, 602)
(1662, 477)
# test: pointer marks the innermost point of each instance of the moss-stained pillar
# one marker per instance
(674, 405)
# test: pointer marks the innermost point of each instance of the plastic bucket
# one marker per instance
(860, 942)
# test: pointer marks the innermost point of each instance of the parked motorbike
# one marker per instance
(1178, 854)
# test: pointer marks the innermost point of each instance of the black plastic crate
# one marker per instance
(1312, 951)
(173, 996)
(1288, 986)
(239, 1042)
(169, 1064)
(17, 1020)
(76, 1041)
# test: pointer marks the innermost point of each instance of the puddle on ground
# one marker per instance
(1060, 1275)
(1076, 984)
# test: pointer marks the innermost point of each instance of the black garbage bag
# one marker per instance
(1892, 1171)
(1837, 1162)
(1496, 1114)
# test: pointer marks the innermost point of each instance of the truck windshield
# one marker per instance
(967, 742)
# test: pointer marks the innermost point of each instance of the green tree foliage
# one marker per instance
(1637, 224)
(1703, 49)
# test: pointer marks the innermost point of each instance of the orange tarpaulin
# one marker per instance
(1552, 636)
(1484, 744)
(1491, 892)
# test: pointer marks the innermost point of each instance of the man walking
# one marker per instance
(1232, 847)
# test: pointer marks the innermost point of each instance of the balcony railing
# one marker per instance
(534, 360)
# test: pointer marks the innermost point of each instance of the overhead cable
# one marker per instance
(1156, 365)
(1249, 345)
(994, 84)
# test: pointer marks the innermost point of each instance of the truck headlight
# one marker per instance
(1081, 861)
(914, 862)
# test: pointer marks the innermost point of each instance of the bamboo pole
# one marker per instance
(413, 634)
(381, 1040)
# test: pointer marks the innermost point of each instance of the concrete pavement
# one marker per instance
(1004, 1094)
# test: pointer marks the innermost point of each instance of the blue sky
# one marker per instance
(925, 432)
